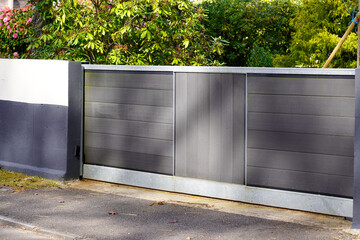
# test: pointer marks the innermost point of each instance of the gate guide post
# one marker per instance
(356, 202)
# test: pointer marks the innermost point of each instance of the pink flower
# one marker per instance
(28, 21)
(14, 35)
(16, 54)
(6, 19)
(2, 16)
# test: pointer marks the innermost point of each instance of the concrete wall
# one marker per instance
(13, 3)
(40, 124)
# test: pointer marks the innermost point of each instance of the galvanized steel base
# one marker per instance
(276, 198)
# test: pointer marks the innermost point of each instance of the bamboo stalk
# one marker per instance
(342, 40)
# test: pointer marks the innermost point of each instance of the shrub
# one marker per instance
(259, 57)
(245, 23)
(157, 32)
(15, 31)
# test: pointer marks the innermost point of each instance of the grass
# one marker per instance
(20, 182)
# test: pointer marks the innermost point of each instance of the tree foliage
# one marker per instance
(249, 25)
(157, 32)
(318, 26)
(281, 33)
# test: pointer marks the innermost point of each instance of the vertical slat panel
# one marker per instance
(192, 126)
(208, 147)
(203, 100)
(181, 123)
(227, 128)
(216, 153)
(239, 128)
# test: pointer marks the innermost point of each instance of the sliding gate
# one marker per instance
(245, 134)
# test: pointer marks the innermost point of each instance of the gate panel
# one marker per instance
(210, 126)
(301, 133)
(129, 120)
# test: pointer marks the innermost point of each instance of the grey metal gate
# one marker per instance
(240, 128)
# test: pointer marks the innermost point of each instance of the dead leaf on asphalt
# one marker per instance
(188, 238)
(158, 203)
(61, 201)
(36, 194)
(113, 213)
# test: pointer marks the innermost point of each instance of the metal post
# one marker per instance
(358, 50)
(356, 202)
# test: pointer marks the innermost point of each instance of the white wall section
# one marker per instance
(34, 81)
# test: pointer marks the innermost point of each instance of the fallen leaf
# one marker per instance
(152, 204)
(160, 203)
(61, 201)
(188, 238)
(23, 228)
(113, 213)
(173, 221)
(29, 179)
(36, 194)
(19, 185)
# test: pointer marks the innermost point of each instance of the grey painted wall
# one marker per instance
(33, 138)
(129, 120)
(40, 117)
(301, 133)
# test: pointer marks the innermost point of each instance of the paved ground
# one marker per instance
(91, 210)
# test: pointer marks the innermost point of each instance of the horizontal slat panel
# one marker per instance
(302, 86)
(129, 128)
(129, 80)
(129, 112)
(301, 181)
(307, 162)
(130, 144)
(309, 143)
(123, 159)
(129, 96)
(343, 126)
(330, 106)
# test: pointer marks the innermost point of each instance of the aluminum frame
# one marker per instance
(265, 196)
